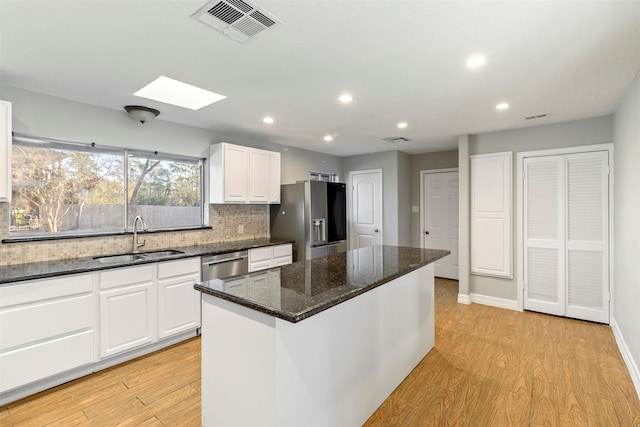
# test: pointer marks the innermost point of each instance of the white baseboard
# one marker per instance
(464, 299)
(487, 300)
(495, 301)
(626, 355)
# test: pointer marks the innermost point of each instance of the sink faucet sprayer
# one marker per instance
(137, 245)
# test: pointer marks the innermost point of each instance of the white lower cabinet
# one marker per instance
(141, 305)
(127, 309)
(269, 256)
(46, 327)
(178, 301)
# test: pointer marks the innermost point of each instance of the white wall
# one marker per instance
(42, 115)
(626, 289)
(597, 130)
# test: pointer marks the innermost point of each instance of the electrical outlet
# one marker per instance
(241, 229)
(415, 209)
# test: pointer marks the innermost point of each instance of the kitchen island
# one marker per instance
(315, 343)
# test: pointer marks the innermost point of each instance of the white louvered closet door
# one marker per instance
(566, 235)
(543, 235)
(587, 293)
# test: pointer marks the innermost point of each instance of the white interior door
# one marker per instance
(366, 208)
(440, 219)
(566, 223)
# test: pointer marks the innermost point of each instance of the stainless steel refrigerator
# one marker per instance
(314, 214)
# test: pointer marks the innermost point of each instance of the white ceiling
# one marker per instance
(402, 60)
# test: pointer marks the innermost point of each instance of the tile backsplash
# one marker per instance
(224, 220)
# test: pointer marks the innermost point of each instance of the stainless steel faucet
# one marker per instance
(137, 245)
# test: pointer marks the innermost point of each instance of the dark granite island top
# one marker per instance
(315, 343)
(310, 287)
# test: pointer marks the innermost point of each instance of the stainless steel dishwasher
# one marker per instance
(225, 265)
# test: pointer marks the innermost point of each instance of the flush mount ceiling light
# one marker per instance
(328, 138)
(268, 120)
(402, 125)
(141, 114)
(502, 106)
(174, 92)
(346, 98)
(476, 61)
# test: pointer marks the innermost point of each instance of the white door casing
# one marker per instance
(565, 208)
(439, 220)
(366, 208)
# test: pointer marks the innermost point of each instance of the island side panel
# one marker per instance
(238, 365)
(337, 367)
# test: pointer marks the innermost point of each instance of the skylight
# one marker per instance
(170, 91)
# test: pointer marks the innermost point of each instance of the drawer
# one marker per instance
(40, 321)
(260, 265)
(180, 267)
(284, 260)
(282, 251)
(42, 360)
(260, 254)
(126, 276)
(38, 290)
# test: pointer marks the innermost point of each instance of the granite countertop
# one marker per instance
(296, 291)
(45, 269)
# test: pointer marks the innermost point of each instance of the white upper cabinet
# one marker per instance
(240, 174)
(5, 151)
(228, 170)
(274, 177)
(258, 175)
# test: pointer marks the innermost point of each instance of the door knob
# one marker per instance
(426, 231)
(376, 230)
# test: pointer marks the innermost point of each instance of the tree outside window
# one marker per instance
(59, 189)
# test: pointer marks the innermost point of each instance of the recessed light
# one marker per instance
(502, 106)
(402, 125)
(346, 98)
(268, 120)
(475, 61)
(328, 138)
(170, 91)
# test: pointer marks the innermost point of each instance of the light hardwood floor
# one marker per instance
(490, 367)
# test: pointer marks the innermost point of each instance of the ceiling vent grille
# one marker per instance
(536, 116)
(240, 20)
(396, 139)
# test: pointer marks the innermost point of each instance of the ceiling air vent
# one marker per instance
(240, 20)
(537, 116)
(396, 139)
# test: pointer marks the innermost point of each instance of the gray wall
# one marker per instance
(626, 287)
(47, 116)
(421, 162)
(404, 198)
(597, 130)
(395, 188)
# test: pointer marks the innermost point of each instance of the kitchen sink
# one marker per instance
(161, 254)
(114, 259)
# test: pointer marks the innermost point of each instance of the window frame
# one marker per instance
(84, 147)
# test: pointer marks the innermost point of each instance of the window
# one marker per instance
(323, 176)
(70, 188)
